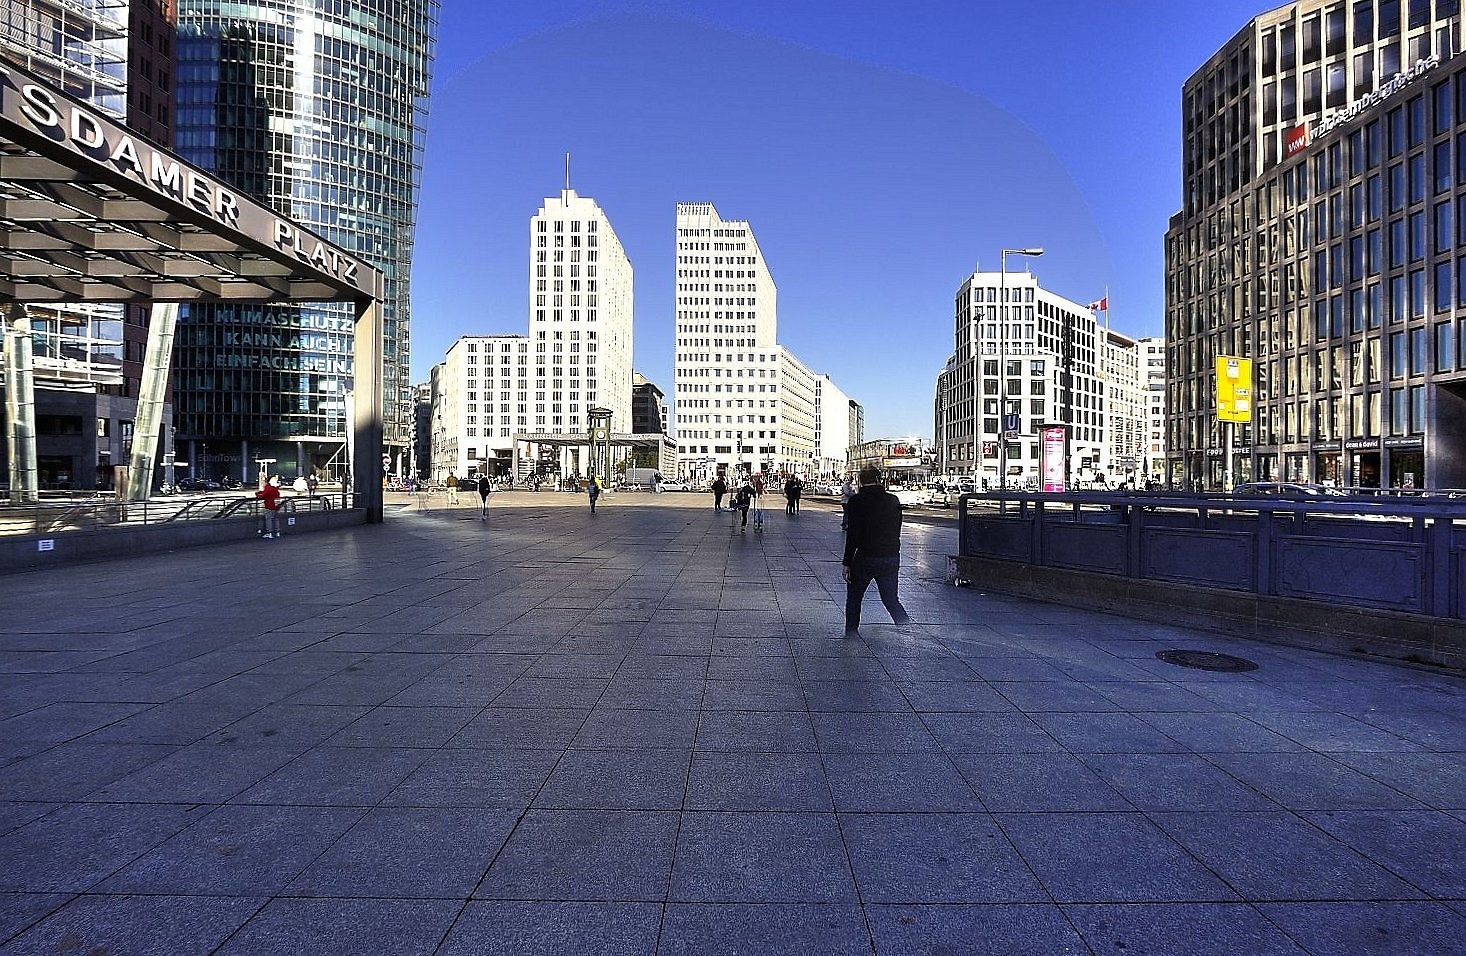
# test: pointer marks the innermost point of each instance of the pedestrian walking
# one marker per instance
(593, 489)
(719, 489)
(450, 484)
(847, 491)
(485, 488)
(872, 549)
(742, 501)
(270, 495)
(791, 495)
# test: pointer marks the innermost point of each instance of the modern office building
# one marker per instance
(1320, 238)
(480, 399)
(839, 426)
(580, 320)
(740, 400)
(1153, 384)
(1123, 400)
(317, 109)
(116, 55)
(1043, 366)
(516, 404)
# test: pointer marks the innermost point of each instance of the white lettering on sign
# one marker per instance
(89, 135)
(1396, 83)
(308, 248)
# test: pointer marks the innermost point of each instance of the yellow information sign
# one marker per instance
(1234, 389)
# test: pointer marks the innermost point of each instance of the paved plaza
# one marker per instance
(640, 731)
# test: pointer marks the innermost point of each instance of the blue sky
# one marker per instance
(881, 150)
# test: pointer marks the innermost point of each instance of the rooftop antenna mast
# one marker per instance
(567, 172)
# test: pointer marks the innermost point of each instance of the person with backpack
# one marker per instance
(593, 488)
(742, 501)
(485, 488)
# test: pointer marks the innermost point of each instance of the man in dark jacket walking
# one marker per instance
(872, 549)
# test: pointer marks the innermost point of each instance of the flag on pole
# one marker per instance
(1102, 305)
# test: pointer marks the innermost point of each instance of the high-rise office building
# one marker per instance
(1042, 366)
(1319, 238)
(317, 109)
(740, 400)
(1153, 384)
(580, 317)
(508, 401)
(116, 55)
(1123, 400)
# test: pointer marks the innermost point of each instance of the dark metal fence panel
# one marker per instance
(1387, 553)
(1221, 559)
(1085, 546)
(1358, 572)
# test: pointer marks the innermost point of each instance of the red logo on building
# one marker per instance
(1296, 141)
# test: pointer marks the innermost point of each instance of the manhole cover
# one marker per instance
(1207, 660)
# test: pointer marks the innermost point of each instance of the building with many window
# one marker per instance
(516, 404)
(317, 109)
(1123, 399)
(1321, 237)
(1040, 361)
(741, 401)
(1153, 384)
(87, 357)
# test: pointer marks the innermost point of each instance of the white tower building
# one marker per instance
(726, 372)
(580, 317)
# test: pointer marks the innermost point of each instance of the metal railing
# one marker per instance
(102, 512)
(1360, 551)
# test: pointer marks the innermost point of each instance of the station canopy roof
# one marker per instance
(92, 212)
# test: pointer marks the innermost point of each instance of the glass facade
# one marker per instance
(1336, 269)
(318, 109)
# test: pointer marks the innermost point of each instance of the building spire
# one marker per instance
(567, 172)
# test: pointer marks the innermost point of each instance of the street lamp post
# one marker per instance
(1003, 361)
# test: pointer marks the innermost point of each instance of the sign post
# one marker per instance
(1234, 404)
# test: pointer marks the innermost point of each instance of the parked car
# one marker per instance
(675, 485)
(909, 496)
(1282, 489)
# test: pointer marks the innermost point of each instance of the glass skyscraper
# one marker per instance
(318, 109)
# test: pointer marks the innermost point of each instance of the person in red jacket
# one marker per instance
(270, 495)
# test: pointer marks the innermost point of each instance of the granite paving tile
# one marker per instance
(483, 778)
(336, 776)
(617, 779)
(1037, 781)
(769, 929)
(898, 782)
(757, 781)
(535, 728)
(1371, 929)
(1421, 847)
(591, 855)
(760, 857)
(1109, 858)
(136, 925)
(236, 851)
(763, 732)
(974, 929)
(72, 849)
(18, 911)
(1312, 781)
(554, 928)
(1275, 855)
(935, 858)
(1196, 929)
(349, 927)
(74, 769)
(414, 853)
